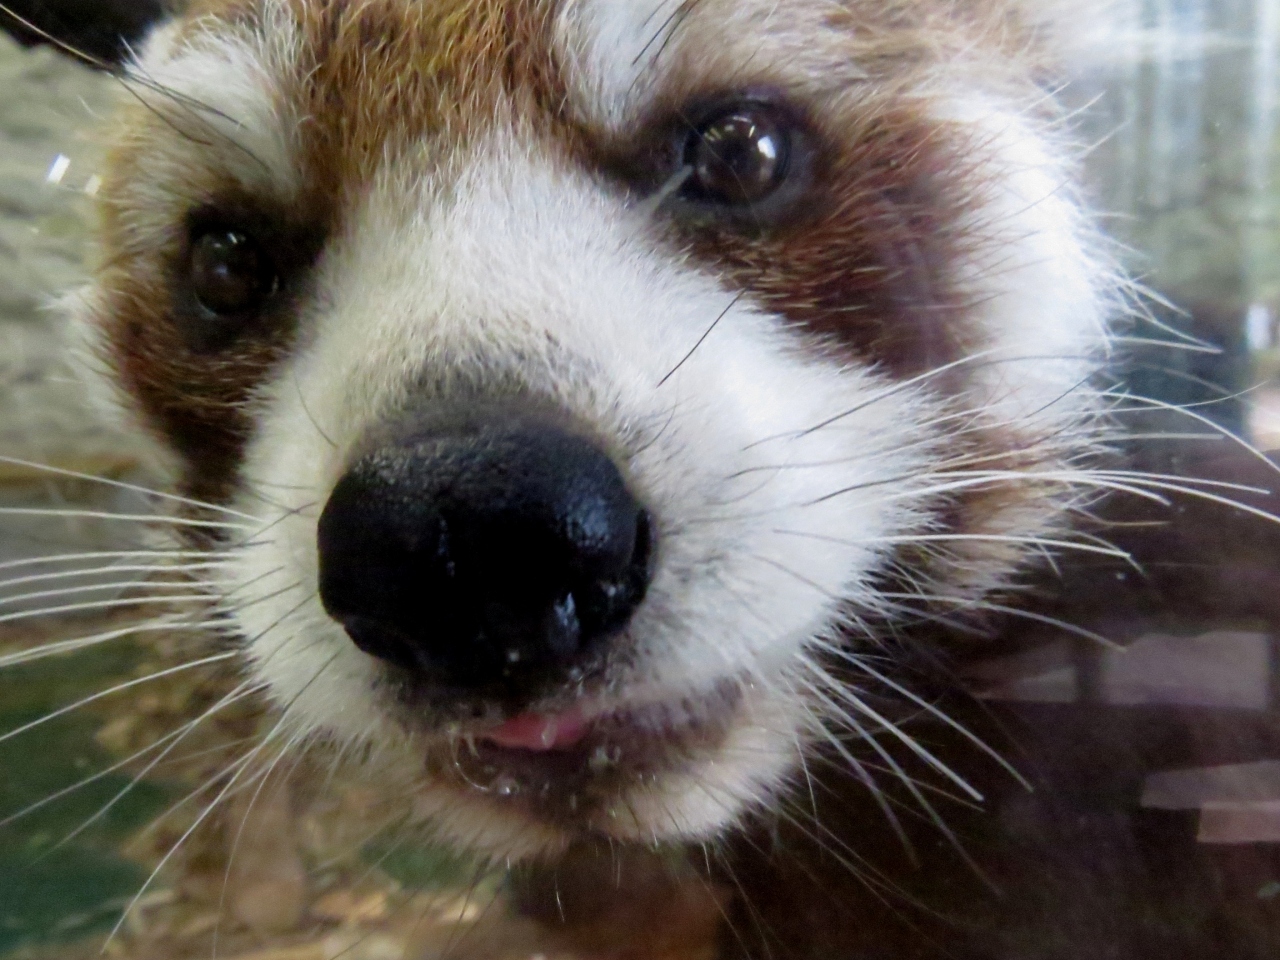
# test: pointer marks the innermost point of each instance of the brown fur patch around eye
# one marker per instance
(198, 404)
(372, 79)
(867, 266)
(866, 263)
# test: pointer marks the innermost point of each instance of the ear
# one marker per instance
(100, 32)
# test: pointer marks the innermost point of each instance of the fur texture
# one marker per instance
(880, 393)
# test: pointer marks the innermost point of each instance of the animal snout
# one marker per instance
(486, 555)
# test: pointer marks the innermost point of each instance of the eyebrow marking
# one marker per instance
(229, 84)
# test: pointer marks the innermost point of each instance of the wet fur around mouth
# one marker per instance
(581, 783)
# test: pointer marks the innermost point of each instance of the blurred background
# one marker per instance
(1179, 104)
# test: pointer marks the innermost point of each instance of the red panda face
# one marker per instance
(585, 371)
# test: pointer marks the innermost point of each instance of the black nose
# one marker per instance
(483, 556)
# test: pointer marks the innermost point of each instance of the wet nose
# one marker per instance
(484, 556)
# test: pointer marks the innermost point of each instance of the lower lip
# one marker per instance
(566, 766)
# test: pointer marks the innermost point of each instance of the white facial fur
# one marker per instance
(220, 93)
(516, 271)
(529, 275)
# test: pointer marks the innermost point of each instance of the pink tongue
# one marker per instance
(539, 731)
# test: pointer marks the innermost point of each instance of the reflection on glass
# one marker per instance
(1145, 704)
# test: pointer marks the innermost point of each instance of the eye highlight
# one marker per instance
(229, 273)
(739, 156)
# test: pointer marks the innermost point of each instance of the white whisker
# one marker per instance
(862, 664)
(885, 394)
(58, 647)
(100, 555)
(1196, 347)
(1185, 410)
(143, 518)
(240, 766)
(112, 568)
(849, 697)
(117, 688)
(117, 587)
(122, 485)
(868, 781)
(234, 770)
(1104, 550)
(235, 843)
(105, 605)
(173, 738)
(968, 603)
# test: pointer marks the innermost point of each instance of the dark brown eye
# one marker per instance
(230, 274)
(738, 157)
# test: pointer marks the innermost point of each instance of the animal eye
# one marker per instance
(739, 156)
(229, 272)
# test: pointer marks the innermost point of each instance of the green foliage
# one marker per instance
(53, 888)
(420, 865)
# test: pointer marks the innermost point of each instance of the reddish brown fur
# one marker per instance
(868, 267)
(196, 403)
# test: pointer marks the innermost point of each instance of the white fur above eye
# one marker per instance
(220, 89)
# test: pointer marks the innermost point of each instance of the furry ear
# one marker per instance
(101, 32)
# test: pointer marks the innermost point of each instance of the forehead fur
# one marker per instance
(372, 76)
(623, 53)
(363, 81)
(294, 109)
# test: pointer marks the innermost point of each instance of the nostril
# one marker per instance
(485, 555)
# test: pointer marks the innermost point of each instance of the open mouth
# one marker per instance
(563, 766)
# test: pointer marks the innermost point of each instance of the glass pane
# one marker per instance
(1083, 763)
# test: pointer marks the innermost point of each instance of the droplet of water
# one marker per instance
(506, 786)
(602, 757)
(548, 734)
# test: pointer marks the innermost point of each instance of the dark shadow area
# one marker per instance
(101, 29)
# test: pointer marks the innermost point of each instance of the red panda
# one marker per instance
(601, 391)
